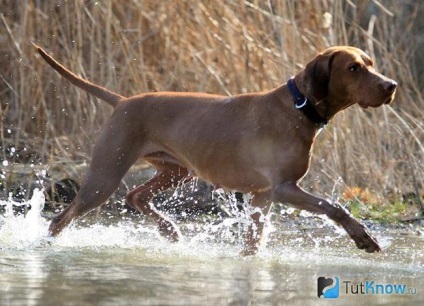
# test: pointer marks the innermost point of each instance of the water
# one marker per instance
(122, 261)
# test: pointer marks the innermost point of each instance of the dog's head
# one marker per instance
(342, 76)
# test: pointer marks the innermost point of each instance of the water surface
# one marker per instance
(125, 262)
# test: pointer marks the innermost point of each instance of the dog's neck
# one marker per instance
(327, 107)
(305, 105)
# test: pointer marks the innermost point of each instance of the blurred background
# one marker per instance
(372, 159)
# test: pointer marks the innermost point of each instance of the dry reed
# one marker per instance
(225, 47)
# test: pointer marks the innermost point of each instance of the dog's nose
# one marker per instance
(390, 85)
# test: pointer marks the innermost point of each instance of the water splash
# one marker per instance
(295, 239)
(125, 251)
(220, 236)
(30, 231)
(23, 231)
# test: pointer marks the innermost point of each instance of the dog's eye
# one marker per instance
(354, 67)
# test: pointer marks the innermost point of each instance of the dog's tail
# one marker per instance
(98, 91)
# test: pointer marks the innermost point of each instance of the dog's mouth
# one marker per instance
(363, 104)
(390, 99)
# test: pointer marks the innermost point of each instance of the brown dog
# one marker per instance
(258, 142)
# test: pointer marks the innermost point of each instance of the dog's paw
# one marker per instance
(249, 251)
(169, 230)
(364, 240)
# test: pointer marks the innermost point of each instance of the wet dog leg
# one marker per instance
(261, 205)
(168, 175)
(294, 195)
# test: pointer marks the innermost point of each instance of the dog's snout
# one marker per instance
(390, 85)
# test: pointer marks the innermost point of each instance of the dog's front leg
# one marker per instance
(292, 194)
(261, 205)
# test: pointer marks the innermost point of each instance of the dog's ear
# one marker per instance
(317, 76)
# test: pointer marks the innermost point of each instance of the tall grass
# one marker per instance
(225, 47)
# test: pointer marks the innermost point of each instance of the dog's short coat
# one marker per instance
(257, 143)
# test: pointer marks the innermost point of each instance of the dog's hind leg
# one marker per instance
(97, 188)
(114, 153)
(168, 175)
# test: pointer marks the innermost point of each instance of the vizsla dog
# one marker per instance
(259, 143)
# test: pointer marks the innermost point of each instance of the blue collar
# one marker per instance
(304, 105)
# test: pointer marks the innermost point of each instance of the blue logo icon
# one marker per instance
(328, 287)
